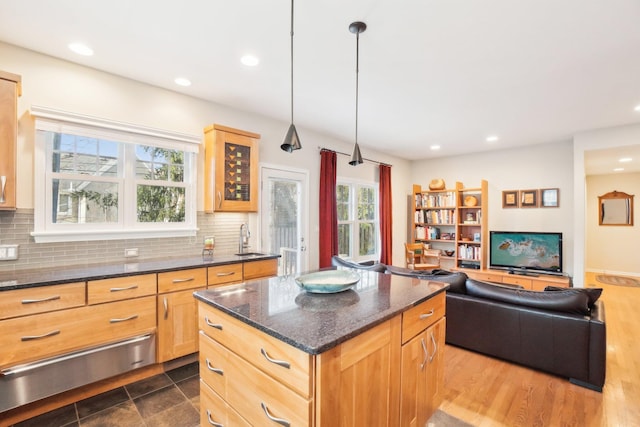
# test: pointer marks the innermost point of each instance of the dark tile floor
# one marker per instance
(171, 399)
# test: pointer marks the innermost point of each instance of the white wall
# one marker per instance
(611, 249)
(531, 167)
(54, 83)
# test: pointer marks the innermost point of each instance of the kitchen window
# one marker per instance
(358, 223)
(98, 179)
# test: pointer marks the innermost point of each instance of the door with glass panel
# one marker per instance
(284, 218)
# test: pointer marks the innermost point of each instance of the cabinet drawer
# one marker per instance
(262, 268)
(21, 302)
(214, 364)
(258, 397)
(29, 338)
(224, 274)
(423, 315)
(525, 283)
(215, 412)
(119, 288)
(258, 347)
(486, 277)
(182, 279)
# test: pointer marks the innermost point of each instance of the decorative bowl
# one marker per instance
(328, 282)
(449, 253)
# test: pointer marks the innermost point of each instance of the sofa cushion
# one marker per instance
(592, 293)
(455, 280)
(566, 301)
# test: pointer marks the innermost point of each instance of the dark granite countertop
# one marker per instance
(51, 276)
(315, 323)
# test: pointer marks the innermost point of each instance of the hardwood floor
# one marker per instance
(488, 392)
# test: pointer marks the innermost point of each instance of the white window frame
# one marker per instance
(130, 135)
(354, 185)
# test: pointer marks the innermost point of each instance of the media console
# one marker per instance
(530, 281)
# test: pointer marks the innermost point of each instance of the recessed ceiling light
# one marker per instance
(637, 108)
(625, 159)
(182, 81)
(250, 60)
(618, 169)
(80, 49)
(492, 138)
(435, 147)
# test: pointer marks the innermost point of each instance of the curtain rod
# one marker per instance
(349, 155)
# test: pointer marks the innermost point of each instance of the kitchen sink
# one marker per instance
(250, 254)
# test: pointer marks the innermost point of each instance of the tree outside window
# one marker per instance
(358, 225)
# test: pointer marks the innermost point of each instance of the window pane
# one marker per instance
(82, 202)
(342, 196)
(82, 155)
(367, 239)
(366, 204)
(159, 164)
(344, 240)
(160, 204)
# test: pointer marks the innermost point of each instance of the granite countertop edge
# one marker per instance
(31, 278)
(329, 344)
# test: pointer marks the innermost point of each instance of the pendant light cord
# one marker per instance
(291, 61)
(357, 71)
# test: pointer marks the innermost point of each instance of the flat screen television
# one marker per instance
(526, 252)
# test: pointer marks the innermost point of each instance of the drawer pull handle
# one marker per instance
(212, 369)
(426, 354)
(123, 319)
(3, 184)
(229, 273)
(37, 337)
(435, 347)
(426, 315)
(213, 325)
(128, 288)
(280, 421)
(282, 363)
(166, 308)
(188, 279)
(213, 423)
(32, 301)
(219, 200)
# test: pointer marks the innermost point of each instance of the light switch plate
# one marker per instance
(8, 252)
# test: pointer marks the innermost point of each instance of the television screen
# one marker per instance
(526, 251)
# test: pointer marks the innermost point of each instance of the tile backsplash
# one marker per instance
(16, 227)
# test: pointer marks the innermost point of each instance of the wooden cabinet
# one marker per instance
(177, 312)
(120, 288)
(230, 170)
(41, 299)
(10, 89)
(215, 412)
(257, 269)
(532, 283)
(224, 274)
(362, 381)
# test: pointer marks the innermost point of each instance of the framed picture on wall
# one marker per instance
(510, 199)
(528, 198)
(549, 198)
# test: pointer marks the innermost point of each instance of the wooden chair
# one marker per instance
(418, 257)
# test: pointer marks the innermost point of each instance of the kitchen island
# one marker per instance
(272, 354)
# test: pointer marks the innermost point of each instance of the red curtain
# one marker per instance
(328, 208)
(385, 215)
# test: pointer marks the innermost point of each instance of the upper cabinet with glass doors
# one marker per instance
(9, 92)
(230, 170)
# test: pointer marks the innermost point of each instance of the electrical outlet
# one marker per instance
(8, 252)
(131, 252)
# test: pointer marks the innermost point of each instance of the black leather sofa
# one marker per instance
(560, 331)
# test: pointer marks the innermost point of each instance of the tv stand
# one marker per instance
(528, 280)
(524, 273)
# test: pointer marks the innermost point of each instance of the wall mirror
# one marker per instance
(615, 208)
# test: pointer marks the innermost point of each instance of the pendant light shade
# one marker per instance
(291, 141)
(357, 28)
(356, 157)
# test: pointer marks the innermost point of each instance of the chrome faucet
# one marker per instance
(243, 241)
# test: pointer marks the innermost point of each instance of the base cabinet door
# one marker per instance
(422, 375)
(177, 324)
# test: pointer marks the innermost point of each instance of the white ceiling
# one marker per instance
(447, 72)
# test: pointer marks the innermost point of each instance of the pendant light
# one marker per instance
(291, 141)
(357, 28)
